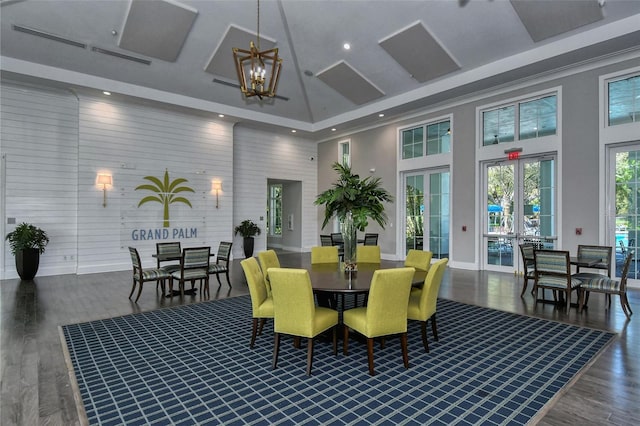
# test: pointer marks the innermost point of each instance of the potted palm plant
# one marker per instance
(247, 230)
(27, 243)
(353, 201)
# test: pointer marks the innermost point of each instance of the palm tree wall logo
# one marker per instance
(166, 193)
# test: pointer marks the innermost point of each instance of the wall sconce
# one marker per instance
(104, 180)
(216, 186)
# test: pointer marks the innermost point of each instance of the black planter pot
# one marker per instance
(27, 262)
(247, 245)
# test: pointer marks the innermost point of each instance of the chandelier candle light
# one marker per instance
(261, 65)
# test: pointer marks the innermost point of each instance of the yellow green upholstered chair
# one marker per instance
(385, 313)
(295, 312)
(268, 259)
(324, 254)
(422, 303)
(419, 259)
(368, 254)
(261, 302)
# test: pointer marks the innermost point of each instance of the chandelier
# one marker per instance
(258, 72)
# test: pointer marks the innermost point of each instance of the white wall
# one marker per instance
(258, 156)
(54, 144)
(39, 147)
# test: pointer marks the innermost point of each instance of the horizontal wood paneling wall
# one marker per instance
(258, 156)
(39, 145)
(131, 141)
(54, 145)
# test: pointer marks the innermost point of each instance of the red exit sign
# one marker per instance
(513, 155)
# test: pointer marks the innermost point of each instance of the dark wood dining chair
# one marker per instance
(600, 283)
(526, 251)
(194, 265)
(168, 256)
(325, 240)
(142, 275)
(553, 271)
(370, 239)
(221, 266)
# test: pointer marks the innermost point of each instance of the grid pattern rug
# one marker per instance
(191, 365)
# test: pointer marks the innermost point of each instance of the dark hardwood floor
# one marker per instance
(36, 390)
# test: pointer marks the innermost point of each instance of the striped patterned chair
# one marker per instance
(600, 283)
(194, 265)
(141, 275)
(526, 250)
(602, 253)
(222, 262)
(553, 271)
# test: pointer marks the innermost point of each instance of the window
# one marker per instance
(344, 156)
(624, 100)
(438, 140)
(274, 217)
(528, 119)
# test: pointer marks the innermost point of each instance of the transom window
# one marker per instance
(624, 100)
(437, 141)
(526, 119)
(344, 155)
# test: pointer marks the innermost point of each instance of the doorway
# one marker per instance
(427, 216)
(284, 215)
(519, 206)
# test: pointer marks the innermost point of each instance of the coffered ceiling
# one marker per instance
(404, 55)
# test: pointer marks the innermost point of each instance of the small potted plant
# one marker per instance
(27, 243)
(247, 230)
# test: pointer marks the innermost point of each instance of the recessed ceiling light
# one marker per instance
(293, 131)
(107, 93)
(333, 130)
(221, 115)
(346, 46)
(381, 115)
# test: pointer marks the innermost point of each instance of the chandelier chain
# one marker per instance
(258, 24)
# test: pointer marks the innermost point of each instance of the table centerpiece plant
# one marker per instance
(353, 201)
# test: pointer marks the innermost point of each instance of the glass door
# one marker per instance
(624, 192)
(519, 206)
(427, 213)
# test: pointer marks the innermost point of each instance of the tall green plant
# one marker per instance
(362, 197)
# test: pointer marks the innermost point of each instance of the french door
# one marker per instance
(623, 214)
(427, 201)
(519, 205)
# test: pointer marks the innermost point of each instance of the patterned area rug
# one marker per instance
(191, 365)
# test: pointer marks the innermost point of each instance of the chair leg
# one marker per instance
(370, 355)
(524, 285)
(309, 355)
(276, 348)
(568, 295)
(335, 340)
(626, 302)
(581, 293)
(345, 340)
(228, 280)
(139, 292)
(405, 354)
(423, 331)
(262, 323)
(254, 330)
(133, 287)
(218, 278)
(434, 327)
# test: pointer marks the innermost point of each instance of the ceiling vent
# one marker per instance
(48, 36)
(121, 55)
